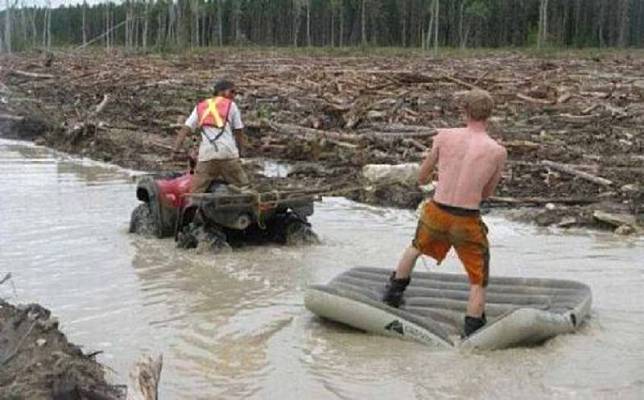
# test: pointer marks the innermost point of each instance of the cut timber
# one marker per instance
(383, 174)
(541, 200)
(533, 100)
(615, 220)
(313, 133)
(100, 107)
(31, 75)
(10, 117)
(570, 170)
(575, 119)
(461, 82)
(144, 379)
(415, 143)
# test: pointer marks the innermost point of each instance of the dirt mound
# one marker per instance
(37, 361)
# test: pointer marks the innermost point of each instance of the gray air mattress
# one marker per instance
(520, 311)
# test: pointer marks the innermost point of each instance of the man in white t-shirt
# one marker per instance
(221, 128)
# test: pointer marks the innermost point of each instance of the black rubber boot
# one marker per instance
(394, 290)
(473, 324)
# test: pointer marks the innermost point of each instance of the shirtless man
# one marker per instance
(469, 168)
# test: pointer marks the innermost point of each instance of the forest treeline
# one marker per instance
(167, 24)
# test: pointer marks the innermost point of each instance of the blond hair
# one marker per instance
(478, 104)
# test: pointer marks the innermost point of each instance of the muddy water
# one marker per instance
(234, 326)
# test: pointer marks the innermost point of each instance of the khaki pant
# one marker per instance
(229, 171)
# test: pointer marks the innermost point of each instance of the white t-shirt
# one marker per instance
(226, 146)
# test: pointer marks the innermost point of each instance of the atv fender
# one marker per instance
(147, 191)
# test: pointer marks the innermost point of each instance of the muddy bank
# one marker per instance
(573, 127)
(37, 361)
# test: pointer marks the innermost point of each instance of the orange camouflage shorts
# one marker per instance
(440, 227)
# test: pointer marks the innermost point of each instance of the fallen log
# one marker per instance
(99, 108)
(415, 143)
(31, 75)
(11, 117)
(461, 82)
(540, 200)
(144, 379)
(572, 171)
(296, 130)
(533, 100)
(615, 220)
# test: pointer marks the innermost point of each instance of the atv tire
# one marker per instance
(142, 221)
(299, 233)
(204, 239)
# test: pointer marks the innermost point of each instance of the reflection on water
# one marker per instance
(234, 326)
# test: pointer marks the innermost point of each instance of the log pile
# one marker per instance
(573, 127)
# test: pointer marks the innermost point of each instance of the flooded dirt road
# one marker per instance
(234, 326)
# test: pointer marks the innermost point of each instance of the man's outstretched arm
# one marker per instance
(427, 167)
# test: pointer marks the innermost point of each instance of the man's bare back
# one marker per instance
(469, 165)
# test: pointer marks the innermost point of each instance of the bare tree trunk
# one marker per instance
(461, 33)
(220, 21)
(403, 23)
(308, 23)
(23, 25)
(624, 22)
(160, 29)
(145, 25)
(542, 35)
(430, 26)
(84, 28)
(128, 24)
(363, 23)
(237, 18)
(46, 27)
(341, 39)
(296, 21)
(194, 31)
(172, 30)
(7, 27)
(332, 31)
(34, 29)
(436, 22)
(107, 27)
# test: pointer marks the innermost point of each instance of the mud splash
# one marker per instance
(234, 326)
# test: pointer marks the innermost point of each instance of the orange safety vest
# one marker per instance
(213, 112)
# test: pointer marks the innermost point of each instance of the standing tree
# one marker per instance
(146, 17)
(432, 27)
(220, 22)
(624, 22)
(542, 35)
(308, 23)
(84, 26)
(363, 23)
(297, 10)
(7, 27)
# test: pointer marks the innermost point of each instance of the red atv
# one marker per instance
(223, 216)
